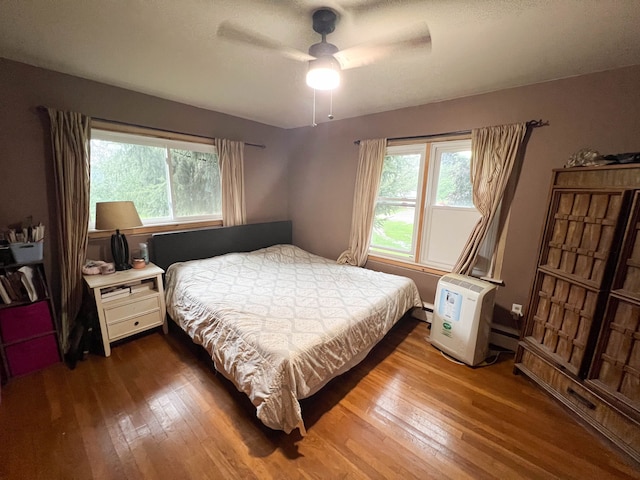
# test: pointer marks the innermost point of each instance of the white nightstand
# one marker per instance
(128, 302)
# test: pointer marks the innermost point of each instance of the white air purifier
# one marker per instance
(462, 316)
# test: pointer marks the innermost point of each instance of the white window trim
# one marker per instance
(408, 149)
(436, 150)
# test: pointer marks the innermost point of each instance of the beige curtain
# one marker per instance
(494, 151)
(70, 135)
(231, 157)
(371, 159)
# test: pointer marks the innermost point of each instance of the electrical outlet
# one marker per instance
(516, 309)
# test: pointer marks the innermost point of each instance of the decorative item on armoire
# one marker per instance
(586, 157)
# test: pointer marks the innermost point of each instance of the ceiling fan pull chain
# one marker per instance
(313, 120)
(330, 105)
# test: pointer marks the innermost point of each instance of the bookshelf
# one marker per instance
(28, 325)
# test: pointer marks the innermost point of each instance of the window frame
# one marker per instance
(436, 149)
(428, 176)
(158, 136)
(411, 149)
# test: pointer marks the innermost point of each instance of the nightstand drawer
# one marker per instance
(134, 325)
(131, 309)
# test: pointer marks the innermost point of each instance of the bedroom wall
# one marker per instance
(307, 174)
(26, 176)
(600, 111)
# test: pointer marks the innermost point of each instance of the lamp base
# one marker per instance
(120, 251)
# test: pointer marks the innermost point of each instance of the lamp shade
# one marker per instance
(324, 73)
(116, 215)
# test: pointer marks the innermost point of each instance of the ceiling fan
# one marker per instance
(325, 60)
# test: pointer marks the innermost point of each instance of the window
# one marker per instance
(424, 211)
(168, 180)
(398, 205)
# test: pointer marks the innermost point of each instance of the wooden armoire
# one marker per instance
(581, 339)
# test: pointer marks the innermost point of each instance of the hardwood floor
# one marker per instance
(155, 409)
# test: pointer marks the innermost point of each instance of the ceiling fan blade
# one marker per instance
(366, 6)
(238, 34)
(370, 52)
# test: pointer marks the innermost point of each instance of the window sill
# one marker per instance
(148, 229)
(409, 265)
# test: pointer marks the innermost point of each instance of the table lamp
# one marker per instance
(114, 216)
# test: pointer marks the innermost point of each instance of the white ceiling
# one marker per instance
(169, 48)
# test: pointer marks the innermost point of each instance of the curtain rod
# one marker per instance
(530, 124)
(42, 108)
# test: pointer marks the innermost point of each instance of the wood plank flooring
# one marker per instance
(156, 409)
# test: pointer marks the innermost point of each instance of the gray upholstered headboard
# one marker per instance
(171, 247)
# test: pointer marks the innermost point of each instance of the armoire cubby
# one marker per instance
(581, 339)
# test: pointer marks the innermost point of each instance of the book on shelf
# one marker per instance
(29, 281)
(25, 284)
(12, 285)
(4, 295)
(115, 293)
(40, 283)
(142, 287)
(6, 284)
(111, 291)
(123, 294)
(18, 286)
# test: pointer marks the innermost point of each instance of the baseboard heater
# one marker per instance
(501, 335)
(425, 313)
(504, 336)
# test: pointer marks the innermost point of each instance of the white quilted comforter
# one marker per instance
(281, 322)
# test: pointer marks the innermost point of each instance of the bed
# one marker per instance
(280, 322)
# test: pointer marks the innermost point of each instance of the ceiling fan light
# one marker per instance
(323, 74)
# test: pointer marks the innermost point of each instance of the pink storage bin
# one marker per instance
(32, 355)
(22, 322)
